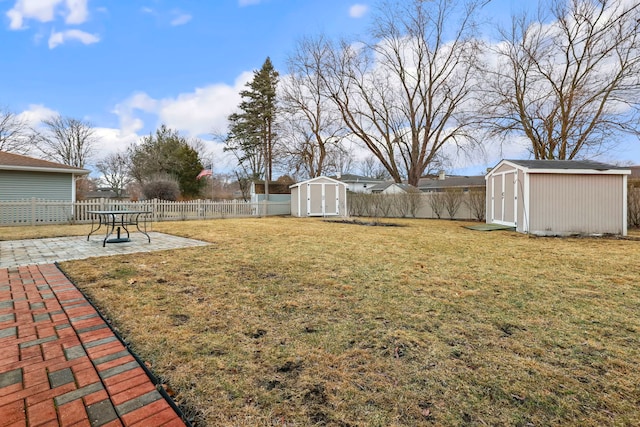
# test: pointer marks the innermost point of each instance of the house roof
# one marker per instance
(451, 182)
(567, 166)
(17, 162)
(384, 185)
(351, 178)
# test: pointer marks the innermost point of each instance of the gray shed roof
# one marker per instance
(566, 165)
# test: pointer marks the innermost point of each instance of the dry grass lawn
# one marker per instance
(302, 322)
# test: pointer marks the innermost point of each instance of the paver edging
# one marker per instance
(152, 377)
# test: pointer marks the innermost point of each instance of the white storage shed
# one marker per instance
(558, 197)
(321, 196)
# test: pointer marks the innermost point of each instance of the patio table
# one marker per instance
(118, 221)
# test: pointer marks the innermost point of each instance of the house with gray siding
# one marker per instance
(558, 197)
(23, 177)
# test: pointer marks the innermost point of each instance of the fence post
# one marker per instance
(33, 211)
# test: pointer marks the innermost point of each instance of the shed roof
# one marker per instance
(11, 161)
(318, 178)
(569, 166)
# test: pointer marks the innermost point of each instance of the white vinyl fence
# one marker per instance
(42, 212)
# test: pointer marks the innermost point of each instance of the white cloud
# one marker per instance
(358, 10)
(74, 12)
(196, 113)
(58, 38)
(36, 114)
(78, 12)
(112, 141)
(181, 19)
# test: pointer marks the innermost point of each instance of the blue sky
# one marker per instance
(128, 65)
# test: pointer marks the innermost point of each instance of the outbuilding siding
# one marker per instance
(558, 197)
(581, 204)
(19, 185)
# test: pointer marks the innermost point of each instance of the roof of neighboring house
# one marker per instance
(566, 165)
(384, 185)
(348, 177)
(11, 161)
(451, 182)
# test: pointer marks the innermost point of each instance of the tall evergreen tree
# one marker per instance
(251, 130)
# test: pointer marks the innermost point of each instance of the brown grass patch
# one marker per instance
(304, 322)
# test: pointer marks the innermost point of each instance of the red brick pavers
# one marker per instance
(61, 365)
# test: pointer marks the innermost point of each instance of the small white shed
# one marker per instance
(321, 196)
(558, 197)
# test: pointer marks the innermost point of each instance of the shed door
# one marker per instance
(504, 195)
(322, 199)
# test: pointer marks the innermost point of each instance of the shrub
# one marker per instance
(163, 188)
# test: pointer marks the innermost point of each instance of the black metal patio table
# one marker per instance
(117, 221)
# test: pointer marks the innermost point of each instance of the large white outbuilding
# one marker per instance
(558, 197)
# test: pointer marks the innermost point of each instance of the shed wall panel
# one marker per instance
(580, 204)
(520, 186)
(509, 197)
(498, 214)
(19, 185)
(315, 192)
(295, 197)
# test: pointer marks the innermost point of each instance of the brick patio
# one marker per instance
(60, 363)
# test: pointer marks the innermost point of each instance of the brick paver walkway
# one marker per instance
(61, 365)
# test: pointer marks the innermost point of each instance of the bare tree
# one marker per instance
(452, 200)
(13, 133)
(437, 203)
(114, 168)
(406, 95)
(313, 126)
(572, 85)
(67, 140)
(476, 202)
(371, 167)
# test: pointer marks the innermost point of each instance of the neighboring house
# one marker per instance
(321, 196)
(105, 193)
(358, 183)
(23, 177)
(558, 197)
(443, 182)
(635, 172)
(390, 187)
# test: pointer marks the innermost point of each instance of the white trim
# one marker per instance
(503, 187)
(38, 169)
(526, 203)
(624, 204)
(515, 198)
